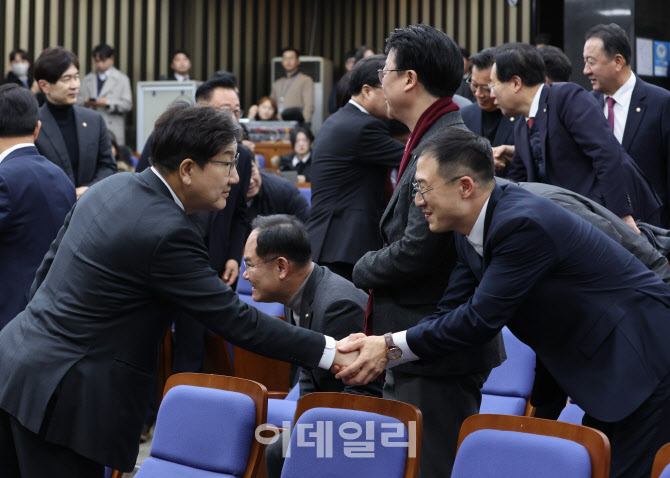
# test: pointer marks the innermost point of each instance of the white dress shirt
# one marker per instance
(8, 151)
(535, 105)
(622, 99)
(357, 105)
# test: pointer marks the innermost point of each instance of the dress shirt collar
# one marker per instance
(535, 105)
(297, 160)
(103, 76)
(476, 236)
(174, 196)
(623, 95)
(359, 107)
(295, 302)
(9, 151)
(181, 78)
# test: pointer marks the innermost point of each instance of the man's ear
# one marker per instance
(43, 84)
(186, 171)
(467, 185)
(37, 130)
(282, 266)
(412, 80)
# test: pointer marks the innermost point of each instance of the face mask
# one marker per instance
(20, 69)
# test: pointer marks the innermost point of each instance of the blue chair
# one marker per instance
(261, 161)
(505, 446)
(282, 410)
(508, 388)
(338, 434)
(307, 192)
(661, 468)
(571, 414)
(244, 291)
(205, 432)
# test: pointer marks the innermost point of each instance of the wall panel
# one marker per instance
(242, 36)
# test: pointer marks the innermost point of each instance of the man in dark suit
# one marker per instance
(597, 318)
(271, 194)
(349, 177)
(565, 140)
(35, 197)
(314, 297)
(77, 365)
(74, 138)
(638, 113)
(409, 273)
(485, 118)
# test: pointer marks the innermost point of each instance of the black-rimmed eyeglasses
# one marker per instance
(382, 73)
(231, 164)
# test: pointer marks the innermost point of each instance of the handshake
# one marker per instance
(359, 359)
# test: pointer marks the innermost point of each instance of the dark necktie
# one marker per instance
(610, 111)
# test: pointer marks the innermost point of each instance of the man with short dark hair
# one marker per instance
(409, 273)
(556, 63)
(77, 366)
(35, 197)
(19, 63)
(578, 152)
(638, 112)
(271, 194)
(349, 177)
(596, 317)
(295, 90)
(74, 138)
(107, 91)
(180, 66)
(485, 118)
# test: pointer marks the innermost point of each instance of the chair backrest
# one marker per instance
(362, 436)
(307, 192)
(571, 414)
(661, 468)
(508, 446)
(208, 423)
(283, 410)
(508, 388)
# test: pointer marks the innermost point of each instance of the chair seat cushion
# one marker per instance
(156, 468)
(502, 405)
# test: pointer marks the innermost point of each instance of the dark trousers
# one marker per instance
(25, 455)
(636, 439)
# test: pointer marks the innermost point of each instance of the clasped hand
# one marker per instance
(361, 359)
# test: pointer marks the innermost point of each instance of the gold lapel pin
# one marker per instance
(545, 110)
(638, 109)
(511, 118)
(84, 125)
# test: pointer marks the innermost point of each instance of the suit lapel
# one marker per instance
(540, 123)
(83, 133)
(92, 84)
(108, 84)
(52, 134)
(522, 144)
(478, 121)
(306, 315)
(636, 111)
(506, 125)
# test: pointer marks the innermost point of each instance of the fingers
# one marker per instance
(347, 345)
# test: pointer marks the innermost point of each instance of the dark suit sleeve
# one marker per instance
(581, 116)
(143, 162)
(517, 169)
(180, 274)
(378, 147)
(5, 205)
(521, 255)
(239, 227)
(106, 164)
(298, 205)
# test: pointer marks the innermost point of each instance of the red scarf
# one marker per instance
(426, 120)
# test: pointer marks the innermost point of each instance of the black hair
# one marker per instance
(465, 53)
(430, 52)
(177, 52)
(484, 59)
(522, 60)
(204, 91)
(282, 235)
(365, 73)
(615, 40)
(543, 38)
(456, 149)
(198, 132)
(19, 112)
(53, 62)
(360, 52)
(225, 75)
(290, 48)
(349, 54)
(557, 63)
(342, 91)
(301, 129)
(18, 51)
(103, 50)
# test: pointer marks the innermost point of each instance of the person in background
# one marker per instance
(180, 67)
(349, 62)
(464, 89)
(295, 89)
(557, 64)
(264, 110)
(300, 159)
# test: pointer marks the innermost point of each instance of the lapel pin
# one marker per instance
(545, 110)
(511, 118)
(84, 125)
(638, 109)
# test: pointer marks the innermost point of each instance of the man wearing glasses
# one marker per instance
(409, 274)
(485, 118)
(77, 366)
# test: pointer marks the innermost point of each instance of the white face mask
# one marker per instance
(20, 69)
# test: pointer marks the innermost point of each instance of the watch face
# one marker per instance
(394, 353)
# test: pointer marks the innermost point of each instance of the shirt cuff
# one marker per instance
(328, 356)
(400, 339)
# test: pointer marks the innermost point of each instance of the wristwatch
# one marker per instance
(393, 352)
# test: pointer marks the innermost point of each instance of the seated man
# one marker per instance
(300, 160)
(279, 264)
(271, 194)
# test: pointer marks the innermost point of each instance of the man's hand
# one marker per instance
(230, 272)
(631, 222)
(369, 364)
(80, 190)
(253, 111)
(502, 155)
(343, 359)
(101, 103)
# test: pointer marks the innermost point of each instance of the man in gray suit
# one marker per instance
(74, 138)
(410, 273)
(77, 365)
(107, 91)
(278, 258)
